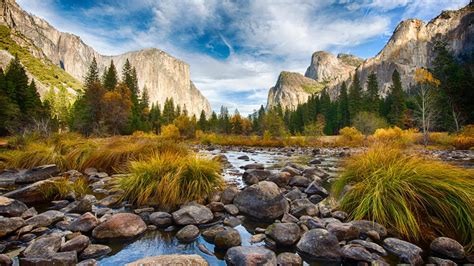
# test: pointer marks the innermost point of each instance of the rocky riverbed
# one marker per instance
(275, 210)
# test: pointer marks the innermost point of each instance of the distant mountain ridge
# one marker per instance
(163, 75)
(410, 47)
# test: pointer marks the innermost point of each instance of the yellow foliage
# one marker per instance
(395, 135)
(351, 136)
(170, 132)
(423, 76)
(462, 142)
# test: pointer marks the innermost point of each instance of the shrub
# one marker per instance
(462, 142)
(170, 132)
(351, 136)
(168, 180)
(416, 197)
(395, 135)
(367, 122)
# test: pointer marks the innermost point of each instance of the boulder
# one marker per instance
(192, 214)
(37, 174)
(84, 223)
(232, 221)
(370, 246)
(253, 176)
(121, 225)
(261, 201)
(319, 244)
(231, 209)
(289, 259)
(294, 194)
(46, 218)
(80, 206)
(340, 215)
(447, 247)
(33, 193)
(243, 256)
(5, 260)
(11, 207)
(58, 258)
(441, 262)
(227, 238)
(315, 199)
(8, 177)
(171, 260)
(43, 246)
(284, 234)
(10, 225)
(78, 243)
(29, 213)
(343, 231)
(357, 253)
(94, 251)
(216, 206)
(292, 171)
(299, 181)
(253, 166)
(161, 219)
(300, 207)
(257, 238)
(407, 252)
(243, 157)
(228, 195)
(366, 226)
(281, 179)
(210, 233)
(188, 233)
(110, 201)
(316, 189)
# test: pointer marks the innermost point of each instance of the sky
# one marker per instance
(236, 49)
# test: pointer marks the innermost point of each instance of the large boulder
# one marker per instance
(11, 207)
(161, 219)
(84, 223)
(227, 238)
(192, 214)
(10, 225)
(171, 260)
(448, 247)
(243, 256)
(121, 225)
(210, 233)
(187, 233)
(261, 201)
(46, 218)
(284, 234)
(228, 195)
(33, 193)
(407, 252)
(253, 176)
(319, 244)
(37, 174)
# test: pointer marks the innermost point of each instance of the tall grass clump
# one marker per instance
(417, 197)
(32, 155)
(395, 135)
(59, 188)
(169, 179)
(350, 136)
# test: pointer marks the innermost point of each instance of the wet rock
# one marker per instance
(205, 250)
(370, 246)
(407, 252)
(253, 166)
(227, 238)
(188, 233)
(32, 193)
(192, 214)
(80, 206)
(161, 219)
(37, 174)
(216, 206)
(84, 223)
(315, 161)
(284, 234)
(231, 209)
(319, 244)
(232, 221)
(110, 201)
(357, 253)
(58, 258)
(315, 199)
(175, 259)
(441, 262)
(210, 233)
(5, 260)
(447, 247)
(366, 226)
(289, 259)
(10, 225)
(343, 231)
(243, 256)
(11, 207)
(302, 207)
(46, 218)
(94, 251)
(78, 243)
(261, 201)
(315, 189)
(121, 225)
(43, 246)
(243, 157)
(253, 176)
(257, 238)
(228, 195)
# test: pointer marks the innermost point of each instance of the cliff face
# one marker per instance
(163, 75)
(410, 47)
(292, 89)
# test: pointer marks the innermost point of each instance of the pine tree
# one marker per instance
(110, 77)
(345, 118)
(397, 101)
(169, 113)
(92, 74)
(372, 97)
(9, 109)
(214, 123)
(202, 123)
(355, 96)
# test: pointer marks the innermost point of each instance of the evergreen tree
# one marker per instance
(110, 77)
(202, 123)
(92, 74)
(344, 115)
(372, 97)
(396, 100)
(168, 114)
(9, 109)
(355, 96)
(214, 123)
(155, 118)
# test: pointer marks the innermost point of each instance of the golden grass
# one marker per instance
(417, 197)
(395, 135)
(61, 187)
(350, 136)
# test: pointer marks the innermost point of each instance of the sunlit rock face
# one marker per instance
(163, 75)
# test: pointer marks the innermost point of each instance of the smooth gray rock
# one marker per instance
(68, 258)
(441, 262)
(192, 214)
(78, 243)
(46, 218)
(366, 226)
(84, 223)
(11, 207)
(284, 234)
(37, 174)
(81, 205)
(210, 233)
(10, 225)
(33, 193)
(448, 248)
(227, 238)
(161, 219)
(188, 233)
(94, 251)
(357, 253)
(253, 176)
(244, 256)
(407, 252)
(289, 259)
(228, 195)
(370, 246)
(121, 225)
(343, 231)
(43, 246)
(319, 244)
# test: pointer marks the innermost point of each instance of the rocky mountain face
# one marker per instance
(163, 75)
(410, 47)
(292, 89)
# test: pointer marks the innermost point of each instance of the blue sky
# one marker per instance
(236, 49)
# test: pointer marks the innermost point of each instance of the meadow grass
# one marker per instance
(60, 187)
(417, 197)
(170, 179)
